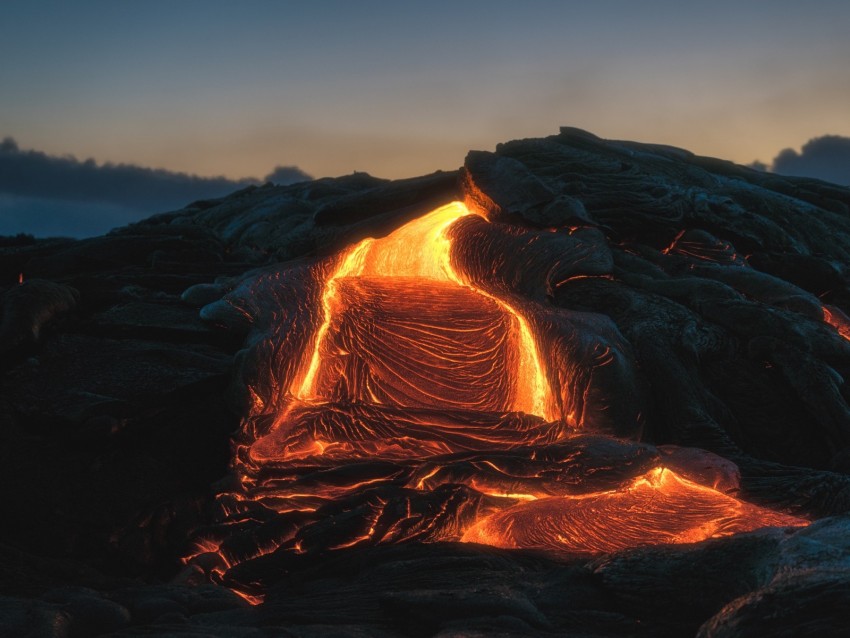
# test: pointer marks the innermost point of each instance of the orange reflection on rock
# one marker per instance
(838, 320)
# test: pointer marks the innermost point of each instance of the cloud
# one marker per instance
(826, 158)
(286, 175)
(48, 195)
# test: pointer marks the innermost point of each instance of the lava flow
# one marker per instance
(424, 406)
(455, 336)
(400, 328)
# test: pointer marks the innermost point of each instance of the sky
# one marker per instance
(398, 89)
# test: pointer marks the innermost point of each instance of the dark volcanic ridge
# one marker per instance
(695, 317)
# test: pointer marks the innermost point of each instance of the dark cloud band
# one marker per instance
(826, 158)
(35, 184)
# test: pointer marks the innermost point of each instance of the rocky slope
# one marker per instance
(726, 288)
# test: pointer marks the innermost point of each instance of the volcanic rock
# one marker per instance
(162, 418)
(28, 308)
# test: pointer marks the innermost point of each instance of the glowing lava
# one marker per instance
(659, 507)
(421, 250)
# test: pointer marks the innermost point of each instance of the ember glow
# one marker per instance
(412, 403)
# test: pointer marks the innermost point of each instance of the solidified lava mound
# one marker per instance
(576, 387)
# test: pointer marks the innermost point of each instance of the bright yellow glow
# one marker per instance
(532, 387)
(422, 248)
(417, 249)
(351, 262)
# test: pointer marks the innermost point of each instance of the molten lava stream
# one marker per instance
(402, 330)
(409, 277)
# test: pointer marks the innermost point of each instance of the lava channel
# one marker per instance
(406, 287)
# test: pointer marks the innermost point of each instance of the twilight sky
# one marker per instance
(399, 89)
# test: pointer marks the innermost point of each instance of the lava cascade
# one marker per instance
(418, 255)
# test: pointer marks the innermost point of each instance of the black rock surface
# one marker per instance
(725, 288)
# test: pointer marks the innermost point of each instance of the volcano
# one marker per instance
(577, 387)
